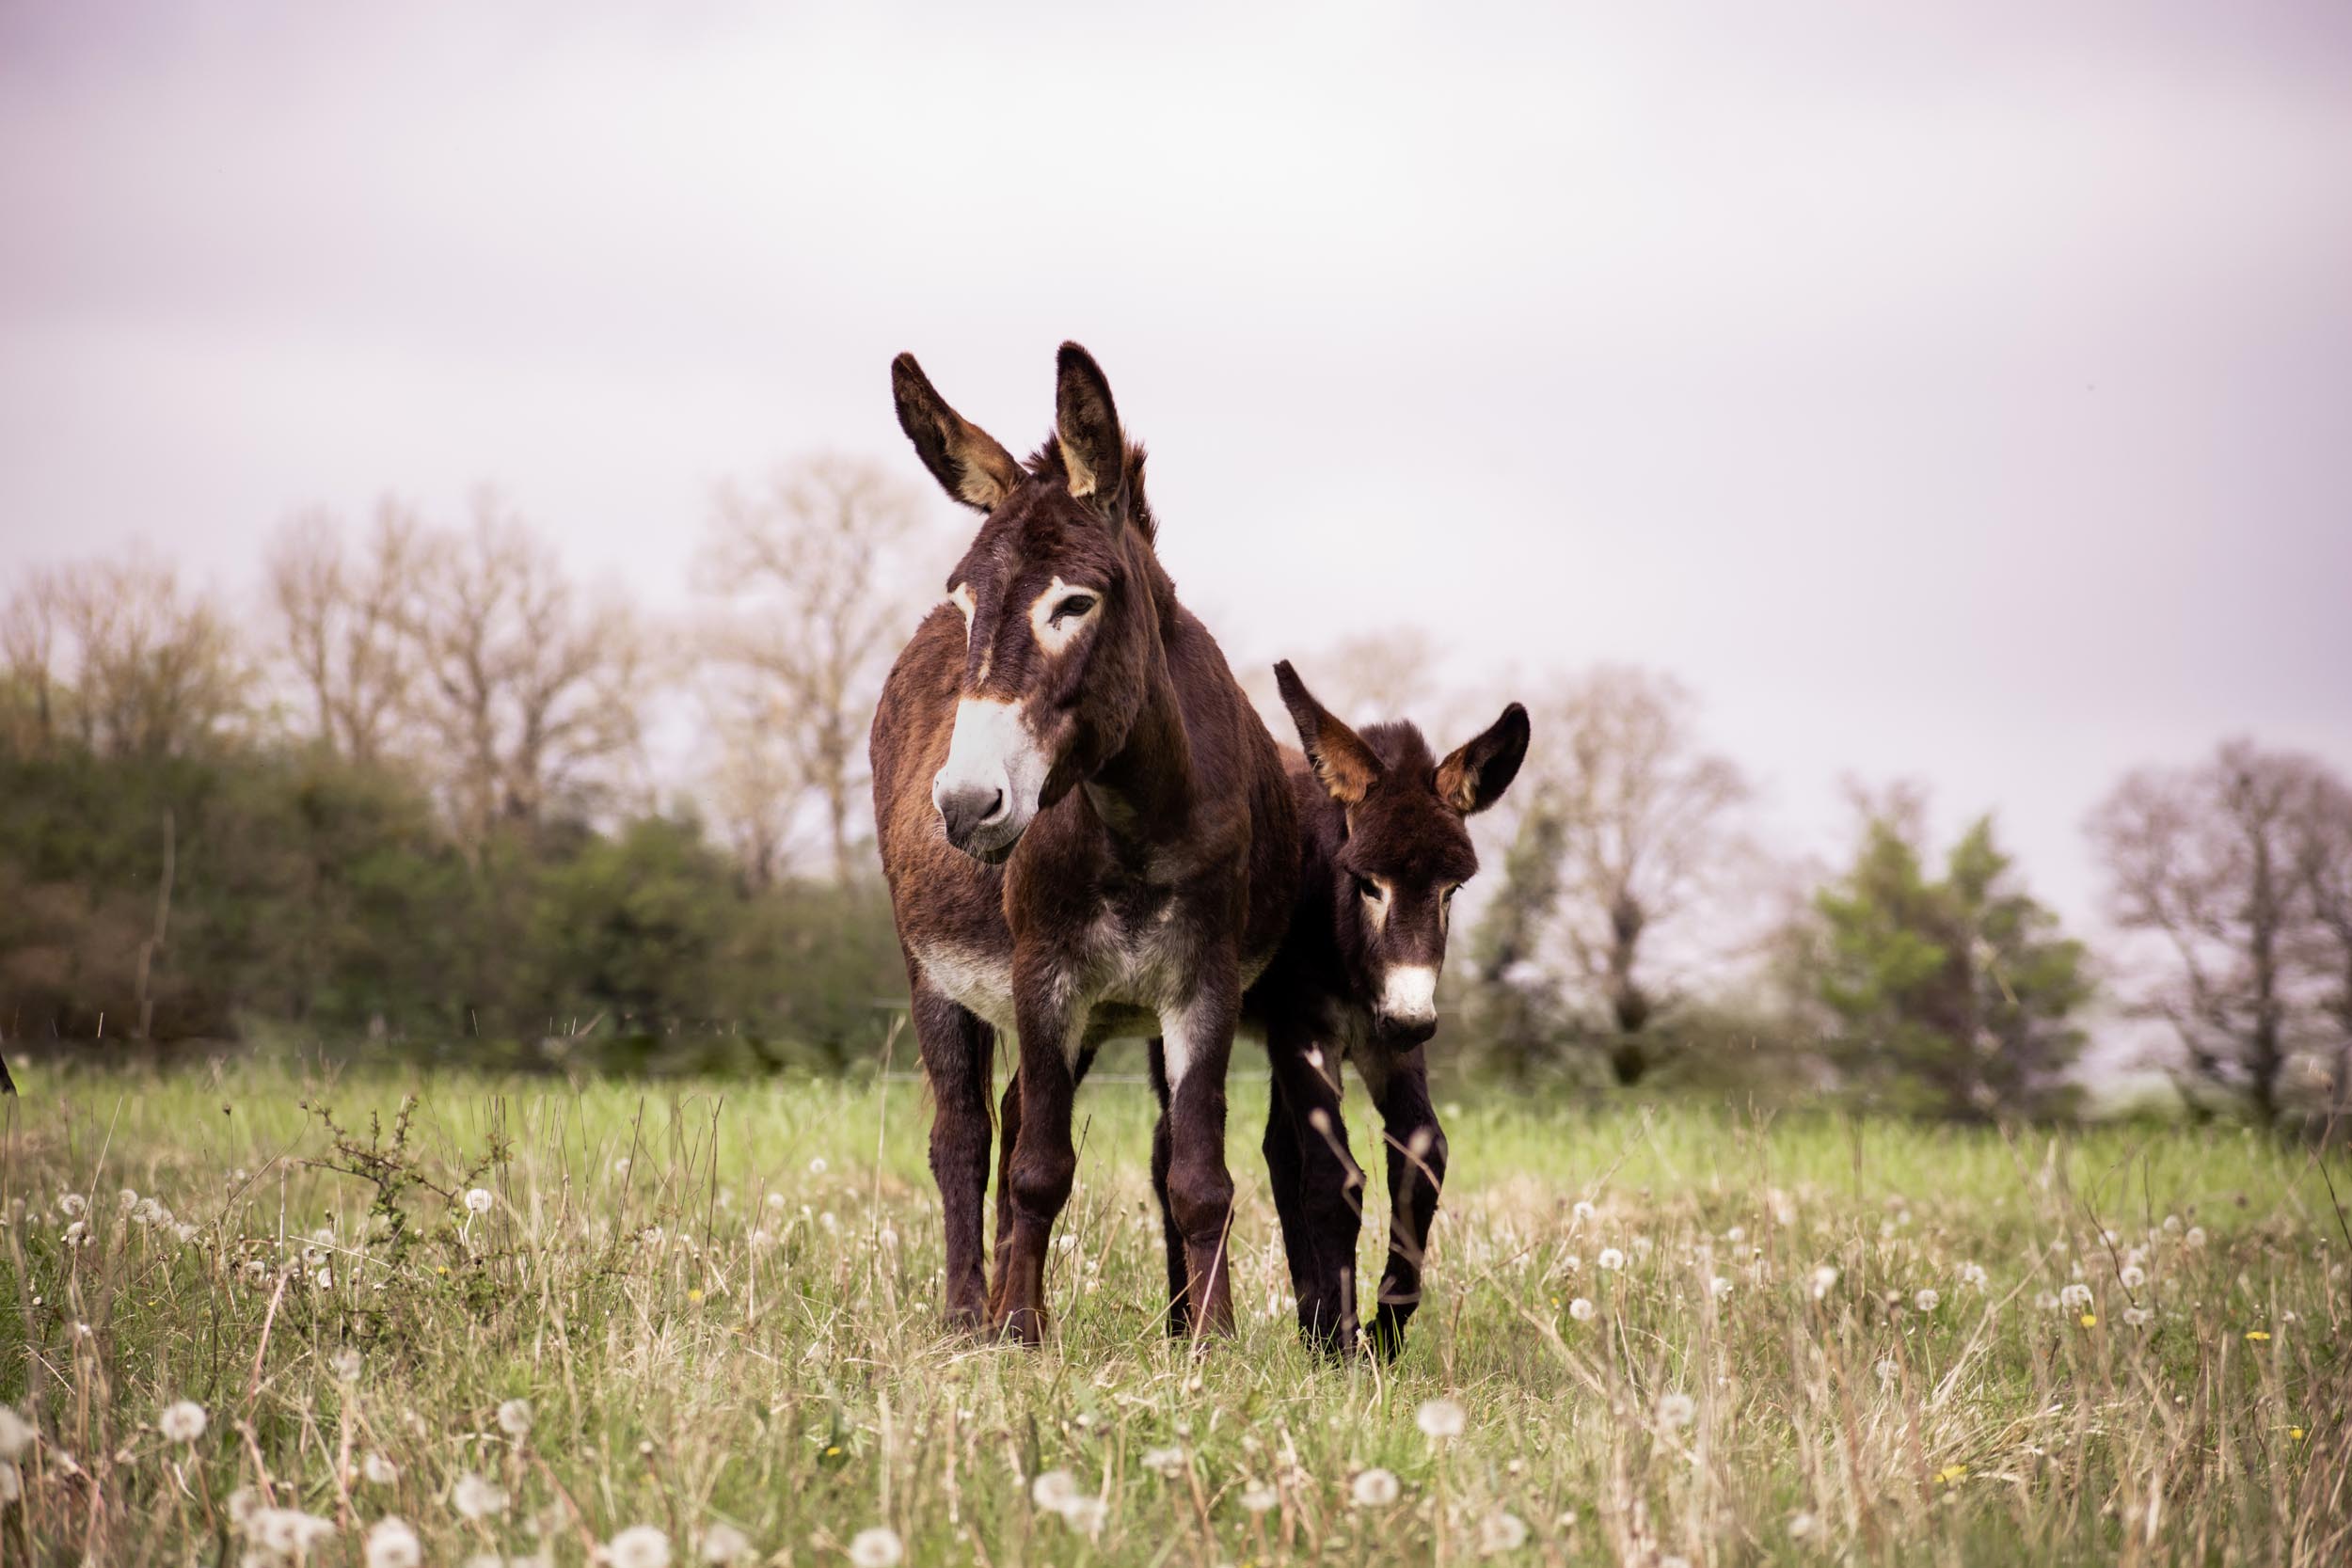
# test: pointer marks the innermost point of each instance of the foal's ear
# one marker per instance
(1338, 754)
(965, 459)
(1085, 425)
(1475, 777)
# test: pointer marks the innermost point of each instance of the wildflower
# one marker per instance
(2139, 1317)
(1374, 1488)
(478, 1200)
(817, 1166)
(378, 1470)
(723, 1543)
(2090, 1320)
(1719, 1287)
(16, 1433)
(2172, 1225)
(2294, 1435)
(1439, 1419)
(76, 1233)
(1951, 1473)
(1054, 1491)
(2257, 1336)
(1086, 1515)
(2195, 1236)
(1926, 1300)
(1582, 1211)
(1611, 1258)
(639, 1546)
(392, 1544)
(325, 1280)
(1164, 1462)
(2133, 1277)
(1500, 1531)
(1676, 1410)
(1803, 1527)
(244, 1503)
(877, 1548)
(183, 1422)
(514, 1418)
(2074, 1297)
(345, 1364)
(1973, 1275)
(1581, 1309)
(1258, 1497)
(72, 1205)
(1824, 1280)
(477, 1498)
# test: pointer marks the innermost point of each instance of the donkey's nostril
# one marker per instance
(966, 812)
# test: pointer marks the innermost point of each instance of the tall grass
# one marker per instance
(721, 1305)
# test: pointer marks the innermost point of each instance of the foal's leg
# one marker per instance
(1329, 1203)
(956, 1047)
(1199, 1047)
(1417, 1155)
(1044, 1163)
(1163, 1152)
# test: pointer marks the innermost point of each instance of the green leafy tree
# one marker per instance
(1951, 996)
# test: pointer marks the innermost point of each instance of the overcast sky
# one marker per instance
(1954, 391)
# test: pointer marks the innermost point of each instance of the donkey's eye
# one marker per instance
(1370, 889)
(1078, 604)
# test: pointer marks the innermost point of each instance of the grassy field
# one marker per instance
(1684, 1336)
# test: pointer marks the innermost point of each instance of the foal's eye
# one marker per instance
(1370, 889)
(1078, 604)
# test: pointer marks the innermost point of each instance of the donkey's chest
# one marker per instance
(1117, 972)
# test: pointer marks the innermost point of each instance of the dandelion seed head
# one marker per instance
(1164, 1462)
(514, 1418)
(876, 1548)
(1824, 1280)
(1581, 1309)
(478, 1200)
(378, 1470)
(1258, 1498)
(392, 1544)
(16, 1433)
(639, 1546)
(1054, 1491)
(476, 1498)
(182, 1422)
(1926, 1300)
(1676, 1411)
(1440, 1420)
(1610, 1259)
(1374, 1488)
(2133, 1277)
(1500, 1531)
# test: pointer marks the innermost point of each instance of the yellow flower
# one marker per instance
(2296, 1432)
(2258, 1334)
(2090, 1320)
(695, 1294)
(1951, 1473)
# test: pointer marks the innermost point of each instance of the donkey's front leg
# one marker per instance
(1197, 1049)
(1044, 1163)
(956, 1047)
(1163, 1154)
(1415, 1174)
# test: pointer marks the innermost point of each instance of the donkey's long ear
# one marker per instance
(1475, 777)
(1338, 754)
(965, 459)
(1086, 424)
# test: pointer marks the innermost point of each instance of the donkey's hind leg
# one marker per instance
(1163, 1154)
(957, 1048)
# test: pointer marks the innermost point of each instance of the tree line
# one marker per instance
(442, 797)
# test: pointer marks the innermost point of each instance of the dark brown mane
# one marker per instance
(1401, 747)
(1046, 463)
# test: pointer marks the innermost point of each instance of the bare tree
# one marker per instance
(812, 603)
(1641, 818)
(2205, 858)
(526, 693)
(119, 656)
(341, 627)
(2321, 838)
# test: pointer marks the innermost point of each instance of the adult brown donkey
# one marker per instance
(1087, 833)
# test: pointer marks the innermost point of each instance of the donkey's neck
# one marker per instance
(1143, 793)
